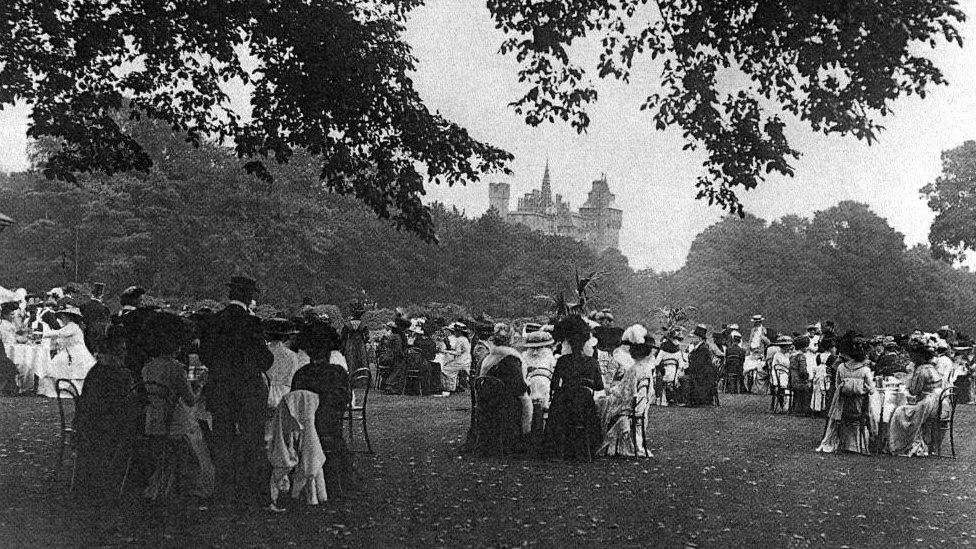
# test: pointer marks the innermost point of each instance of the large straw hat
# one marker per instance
(538, 339)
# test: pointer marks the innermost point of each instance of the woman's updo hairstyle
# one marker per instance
(574, 330)
(164, 334)
(919, 350)
(853, 345)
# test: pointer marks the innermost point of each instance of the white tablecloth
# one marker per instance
(891, 398)
(32, 358)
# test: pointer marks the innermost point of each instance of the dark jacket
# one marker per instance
(133, 323)
(97, 319)
(232, 346)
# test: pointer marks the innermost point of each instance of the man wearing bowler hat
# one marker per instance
(232, 347)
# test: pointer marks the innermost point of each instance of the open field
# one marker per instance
(730, 476)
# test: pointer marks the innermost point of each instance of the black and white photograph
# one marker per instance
(488, 273)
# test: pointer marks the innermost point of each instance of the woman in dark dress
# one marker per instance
(106, 421)
(331, 383)
(573, 429)
(504, 409)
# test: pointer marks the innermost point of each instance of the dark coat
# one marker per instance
(97, 319)
(133, 323)
(232, 346)
(702, 375)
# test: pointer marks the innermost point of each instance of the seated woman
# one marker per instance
(910, 432)
(182, 458)
(573, 419)
(331, 383)
(106, 420)
(848, 424)
(539, 363)
(504, 406)
(669, 366)
(629, 398)
(799, 383)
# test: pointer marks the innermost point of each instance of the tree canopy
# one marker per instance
(952, 196)
(732, 68)
(332, 78)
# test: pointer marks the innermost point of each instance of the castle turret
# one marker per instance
(546, 188)
(498, 196)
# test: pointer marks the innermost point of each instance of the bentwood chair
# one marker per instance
(146, 393)
(359, 383)
(945, 419)
(637, 414)
(669, 391)
(65, 389)
(414, 371)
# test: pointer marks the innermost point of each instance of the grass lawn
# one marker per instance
(721, 477)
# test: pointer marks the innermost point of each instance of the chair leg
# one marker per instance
(125, 474)
(369, 447)
(57, 470)
(952, 441)
(349, 417)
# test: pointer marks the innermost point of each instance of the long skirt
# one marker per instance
(843, 434)
(910, 431)
(573, 429)
(182, 468)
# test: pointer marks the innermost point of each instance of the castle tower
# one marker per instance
(604, 219)
(546, 187)
(498, 195)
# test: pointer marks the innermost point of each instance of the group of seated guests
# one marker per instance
(554, 400)
(912, 429)
(119, 411)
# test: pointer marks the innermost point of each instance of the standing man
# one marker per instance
(758, 338)
(97, 318)
(233, 349)
(132, 317)
(701, 370)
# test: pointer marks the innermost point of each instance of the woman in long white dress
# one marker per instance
(629, 398)
(72, 359)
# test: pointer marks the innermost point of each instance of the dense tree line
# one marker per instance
(196, 218)
(845, 264)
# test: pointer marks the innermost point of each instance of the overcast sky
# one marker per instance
(461, 75)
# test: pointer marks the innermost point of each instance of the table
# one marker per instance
(883, 403)
(32, 358)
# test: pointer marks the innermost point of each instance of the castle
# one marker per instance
(597, 223)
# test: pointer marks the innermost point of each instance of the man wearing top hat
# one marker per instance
(132, 317)
(701, 373)
(232, 347)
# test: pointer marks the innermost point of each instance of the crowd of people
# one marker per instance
(237, 407)
(192, 405)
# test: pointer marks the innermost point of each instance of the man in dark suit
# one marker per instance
(97, 318)
(233, 348)
(132, 318)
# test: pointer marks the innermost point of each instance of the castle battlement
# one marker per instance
(597, 222)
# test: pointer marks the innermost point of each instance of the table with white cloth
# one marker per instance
(884, 401)
(32, 358)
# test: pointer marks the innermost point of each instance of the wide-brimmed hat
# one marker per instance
(733, 327)
(530, 327)
(416, 329)
(538, 339)
(243, 283)
(279, 327)
(637, 335)
(757, 318)
(801, 342)
(457, 327)
(701, 331)
(70, 310)
(735, 334)
(783, 341)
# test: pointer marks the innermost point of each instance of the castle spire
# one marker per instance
(546, 186)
